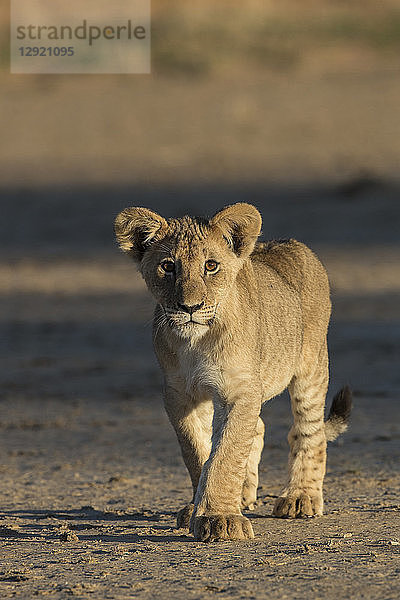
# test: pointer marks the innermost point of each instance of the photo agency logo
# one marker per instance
(89, 36)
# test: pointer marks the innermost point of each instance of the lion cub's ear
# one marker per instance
(136, 228)
(240, 225)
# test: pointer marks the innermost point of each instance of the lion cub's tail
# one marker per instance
(339, 414)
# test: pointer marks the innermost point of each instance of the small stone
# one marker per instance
(8, 532)
(68, 536)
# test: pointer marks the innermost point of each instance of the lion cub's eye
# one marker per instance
(168, 266)
(211, 266)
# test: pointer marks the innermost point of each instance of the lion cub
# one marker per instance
(236, 323)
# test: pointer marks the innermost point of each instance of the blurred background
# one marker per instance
(293, 106)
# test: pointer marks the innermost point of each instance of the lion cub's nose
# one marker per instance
(191, 309)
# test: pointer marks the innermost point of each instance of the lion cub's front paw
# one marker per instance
(222, 527)
(297, 505)
(183, 516)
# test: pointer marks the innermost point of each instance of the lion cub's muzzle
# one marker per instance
(201, 314)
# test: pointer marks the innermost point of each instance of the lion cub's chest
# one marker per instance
(209, 375)
(199, 372)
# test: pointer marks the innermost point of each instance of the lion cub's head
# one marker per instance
(189, 264)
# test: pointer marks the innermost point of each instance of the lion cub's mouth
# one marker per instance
(180, 319)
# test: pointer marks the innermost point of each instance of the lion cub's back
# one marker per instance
(302, 271)
(295, 263)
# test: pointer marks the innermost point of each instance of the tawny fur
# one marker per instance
(229, 339)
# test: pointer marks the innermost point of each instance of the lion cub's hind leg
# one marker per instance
(302, 497)
(250, 485)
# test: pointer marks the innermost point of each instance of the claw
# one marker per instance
(222, 527)
(298, 505)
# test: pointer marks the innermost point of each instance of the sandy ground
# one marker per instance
(91, 474)
(251, 126)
